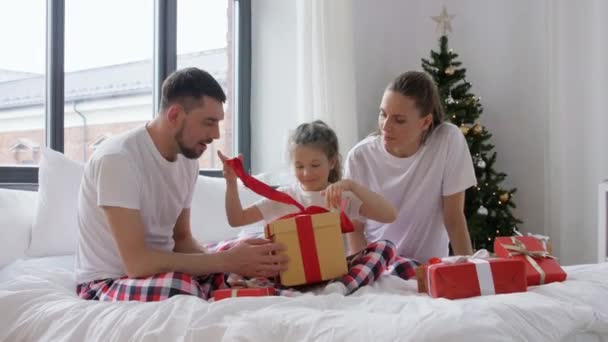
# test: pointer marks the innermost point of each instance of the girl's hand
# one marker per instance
(228, 172)
(333, 193)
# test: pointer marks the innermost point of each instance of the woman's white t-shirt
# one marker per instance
(272, 210)
(415, 186)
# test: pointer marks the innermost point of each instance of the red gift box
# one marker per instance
(475, 277)
(541, 267)
(243, 292)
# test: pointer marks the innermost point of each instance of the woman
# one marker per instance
(422, 165)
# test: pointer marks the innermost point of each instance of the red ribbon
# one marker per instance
(267, 191)
(306, 237)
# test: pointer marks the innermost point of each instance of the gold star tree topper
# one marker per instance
(443, 22)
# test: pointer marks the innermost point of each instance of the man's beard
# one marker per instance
(188, 152)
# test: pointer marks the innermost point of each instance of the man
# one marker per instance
(135, 241)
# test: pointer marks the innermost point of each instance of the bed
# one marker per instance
(39, 304)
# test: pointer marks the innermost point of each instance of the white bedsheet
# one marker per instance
(38, 303)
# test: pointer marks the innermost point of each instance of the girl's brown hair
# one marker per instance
(321, 136)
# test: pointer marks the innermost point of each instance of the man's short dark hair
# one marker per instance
(185, 86)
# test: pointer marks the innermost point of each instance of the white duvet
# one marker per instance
(38, 303)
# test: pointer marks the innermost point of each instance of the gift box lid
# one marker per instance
(287, 225)
(243, 292)
(531, 243)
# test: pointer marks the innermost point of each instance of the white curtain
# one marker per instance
(325, 67)
(577, 147)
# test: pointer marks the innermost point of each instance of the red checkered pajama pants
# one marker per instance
(368, 265)
(154, 288)
(364, 268)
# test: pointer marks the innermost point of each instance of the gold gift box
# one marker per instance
(327, 237)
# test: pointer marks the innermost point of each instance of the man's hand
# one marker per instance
(256, 258)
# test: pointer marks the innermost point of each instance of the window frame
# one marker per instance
(164, 62)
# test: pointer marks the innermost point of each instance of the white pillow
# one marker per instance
(17, 211)
(55, 228)
(208, 212)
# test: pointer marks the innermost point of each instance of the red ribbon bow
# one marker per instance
(267, 191)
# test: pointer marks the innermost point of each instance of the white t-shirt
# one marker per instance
(415, 186)
(128, 171)
(272, 210)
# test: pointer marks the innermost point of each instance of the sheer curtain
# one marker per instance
(577, 126)
(325, 66)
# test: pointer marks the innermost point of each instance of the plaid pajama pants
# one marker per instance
(370, 263)
(364, 268)
(151, 289)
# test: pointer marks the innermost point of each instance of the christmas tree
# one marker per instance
(488, 205)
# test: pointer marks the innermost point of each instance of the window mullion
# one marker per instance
(55, 43)
(165, 44)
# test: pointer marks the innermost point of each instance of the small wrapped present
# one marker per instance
(477, 275)
(541, 267)
(242, 292)
(312, 236)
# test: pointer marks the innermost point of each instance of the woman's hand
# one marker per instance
(333, 193)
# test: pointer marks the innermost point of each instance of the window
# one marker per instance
(22, 80)
(108, 70)
(204, 31)
(104, 55)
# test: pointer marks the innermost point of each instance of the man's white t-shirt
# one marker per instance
(128, 171)
(415, 186)
(272, 210)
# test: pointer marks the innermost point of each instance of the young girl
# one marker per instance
(314, 152)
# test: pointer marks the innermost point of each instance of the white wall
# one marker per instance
(507, 48)
(273, 92)
(576, 151)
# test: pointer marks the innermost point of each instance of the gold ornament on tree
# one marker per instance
(450, 70)
(464, 129)
(504, 198)
(478, 129)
